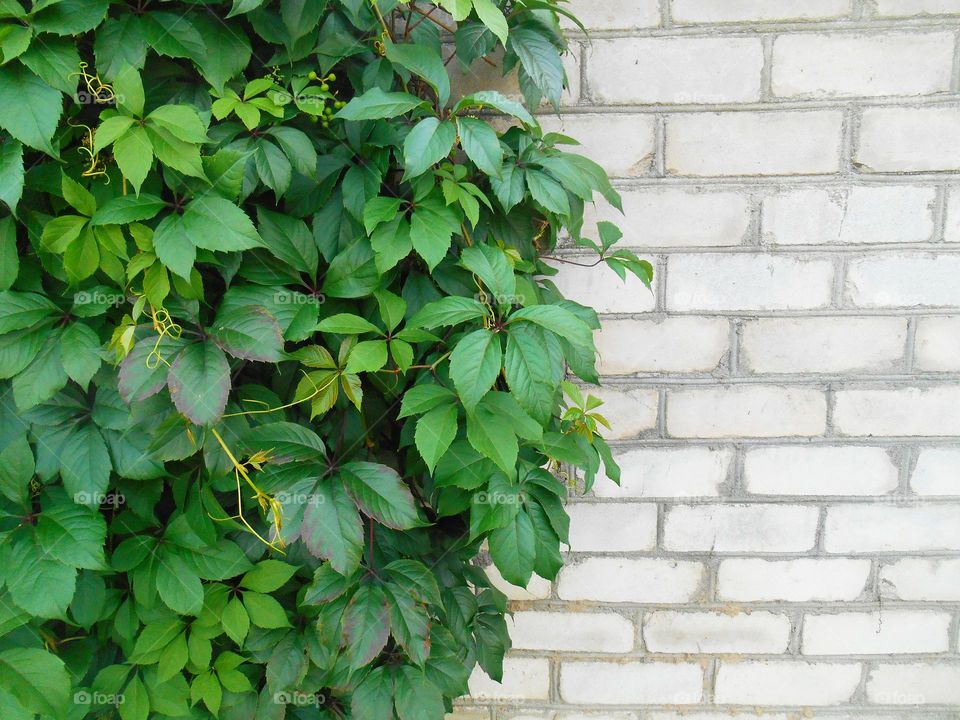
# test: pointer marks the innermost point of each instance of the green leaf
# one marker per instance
(513, 550)
(347, 324)
(381, 494)
(181, 121)
(235, 621)
(73, 535)
(435, 431)
(136, 702)
(111, 129)
(451, 310)
(134, 155)
(558, 320)
(265, 612)
(289, 240)
(199, 382)
(85, 465)
(129, 90)
(491, 16)
(375, 104)
(481, 144)
(409, 623)
(37, 679)
(43, 377)
(424, 398)
(416, 579)
(250, 333)
(53, 60)
(493, 100)
(213, 223)
(528, 370)
(429, 142)
(42, 586)
(491, 265)
(178, 586)
(173, 246)
(16, 469)
(432, 226)
(540, 59)
(32, 108)
(127, 209)
(548, 192)
(366, 624)
(285, 442)
(379, 210)
(9, 258)
(417, 698)
(475, 364)
(368, 356)
(373, 698)
(11, 173)
(425, 62)
(83, 360)
(70, 17)
(268, 575)
(331, 526)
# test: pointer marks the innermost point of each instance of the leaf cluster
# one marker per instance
(280, 360)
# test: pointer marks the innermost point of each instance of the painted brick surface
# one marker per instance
(785, 539)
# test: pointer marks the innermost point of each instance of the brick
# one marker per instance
(731, 715)
(621, 143)
(728, 283)
(740, 528)
(649, 683)
(668, 473)
(875, 633)
(824, 344)
(523, 679)
(937, 344)
(537, 589)
(754, 143)
(642, 580)
(596, 716)
(668, 631)
(899, 411)
(937, 472)
(909, 139)
(801, 580)
(813, 65)
(608, 527)
(951, 229)
(904, 280)
(876, 528)
(906, 8)
(468, 714)
(676, 70)
(745, 411)
(785, 682)
(857, 215)
(921, 579)
(603, 290)
(805, 470)
(674, 217)
(630, 412)
(914, 684)
(676, 344)
(614, 14)
(571, 632)
(689, 12)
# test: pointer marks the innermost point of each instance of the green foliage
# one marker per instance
(279, 353)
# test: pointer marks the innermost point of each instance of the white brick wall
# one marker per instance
(785, 539)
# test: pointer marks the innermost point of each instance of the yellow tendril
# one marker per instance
(96, 167)
(165, 327)
(100, 92)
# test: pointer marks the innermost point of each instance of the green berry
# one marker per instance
(325, 87)
(331, 78)
(313, 76)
